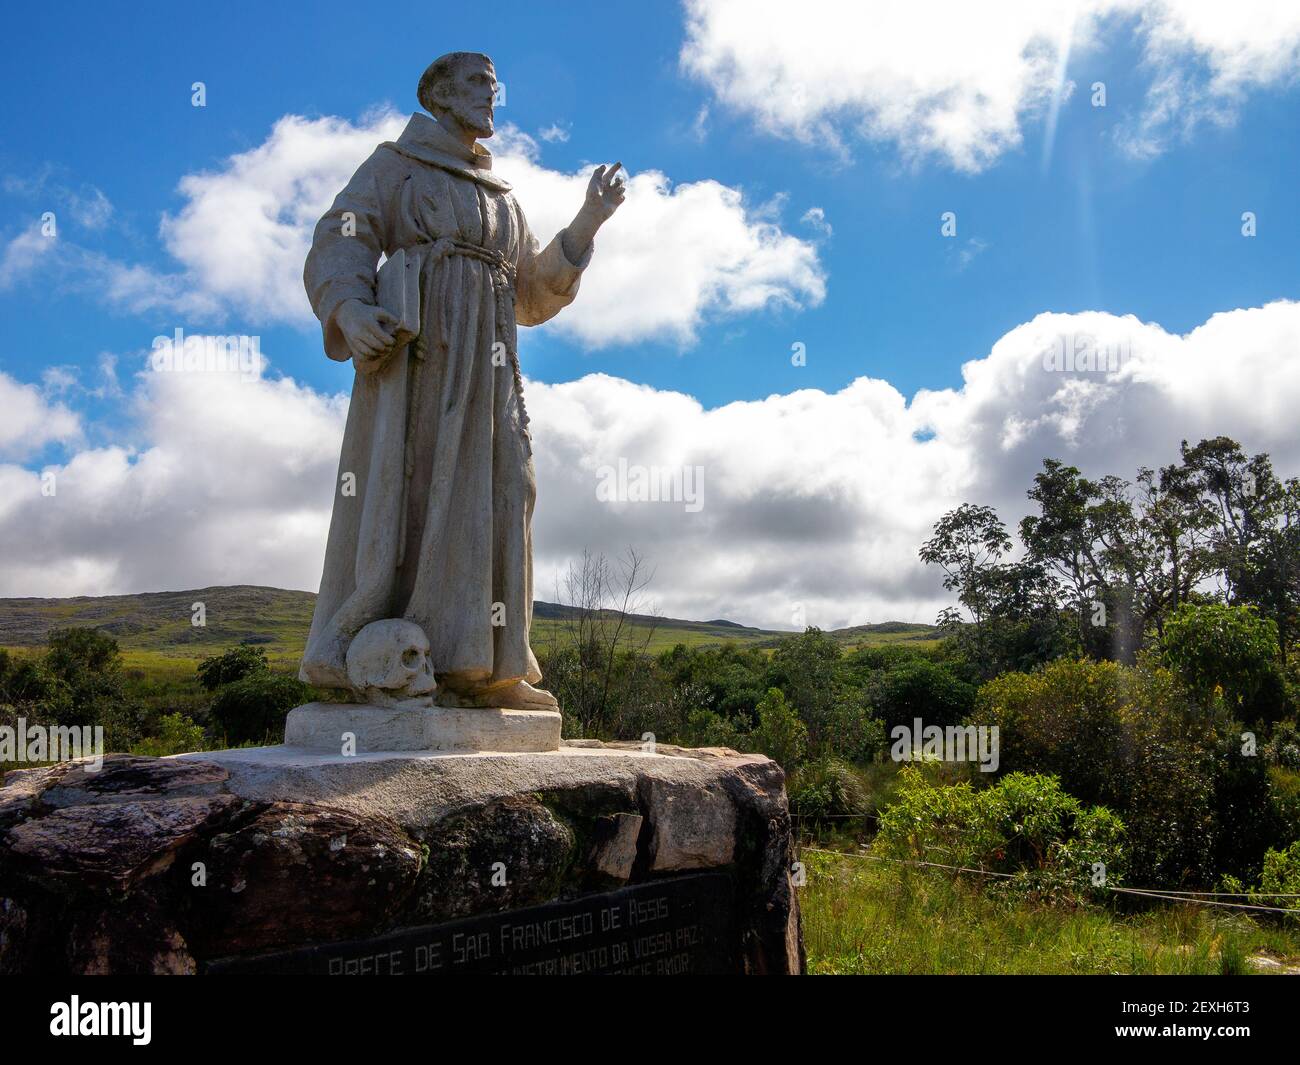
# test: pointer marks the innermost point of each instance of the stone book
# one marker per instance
(397, 290)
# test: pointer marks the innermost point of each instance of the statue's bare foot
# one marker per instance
(521, 696)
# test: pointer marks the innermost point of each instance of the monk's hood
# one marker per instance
(426, 141)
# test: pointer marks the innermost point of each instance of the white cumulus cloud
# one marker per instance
(819, 501)
(674, 255)
(811, 501)
(246, 225)
(232, 485)
(32, 419)
(958, 80)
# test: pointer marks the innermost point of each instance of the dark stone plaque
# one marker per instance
(678, 926)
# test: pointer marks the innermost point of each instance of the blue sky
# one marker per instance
(110, 107)
(97, 111)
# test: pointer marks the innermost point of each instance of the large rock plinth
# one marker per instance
(206, 861)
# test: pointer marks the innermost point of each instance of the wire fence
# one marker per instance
(1199, 898)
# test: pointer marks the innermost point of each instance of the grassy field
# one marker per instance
(862, 916)
(156, 633)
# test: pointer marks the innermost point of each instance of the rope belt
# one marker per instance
(503, 289)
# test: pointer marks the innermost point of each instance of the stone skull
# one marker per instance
(388, 661)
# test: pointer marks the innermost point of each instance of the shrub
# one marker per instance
(236, 664)
(1279, 879)
(1245, 822)
(24, 680)
(125, 725)
(804, 668)
(1283, 747)
(1164, 780)
(252, 710)
(920, 688)
(1138, 741)
(704, 728)
(85, 669)
(175, 734)
(1281, 875)
(726, 680)
(856, 733)
(826, 787)
(1064, 719)
(864, 661)
(78, 652)
(1284, 802)
(933, 822)
(1025, 826)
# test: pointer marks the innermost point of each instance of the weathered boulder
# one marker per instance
(111, 848)
(167, 865)
(22, 790)
(518, 842)
(294, 873)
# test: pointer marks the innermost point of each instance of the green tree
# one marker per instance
(226, 668)
(1136, 740)
(87, 665)
(780, 734)
(919, 688)
(24, 681)
(1013, 615)
(1255, 519)
(968, 543)
(1122, 554)
(704, 728)
(804, 668)
(1229, 648)
(1065, 719)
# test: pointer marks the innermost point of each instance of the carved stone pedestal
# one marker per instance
(333, 726)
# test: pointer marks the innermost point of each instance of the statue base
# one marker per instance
(325, 726)
(600, 858)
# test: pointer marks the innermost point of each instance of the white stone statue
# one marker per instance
(433, 511)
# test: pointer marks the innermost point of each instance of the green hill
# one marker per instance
(161, 621)
(153, 625)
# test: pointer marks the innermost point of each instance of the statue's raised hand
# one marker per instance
(604, 194)
(605, 191)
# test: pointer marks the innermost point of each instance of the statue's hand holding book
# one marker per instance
(375, 331)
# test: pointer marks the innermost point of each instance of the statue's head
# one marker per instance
(460, 87)
(388, 662)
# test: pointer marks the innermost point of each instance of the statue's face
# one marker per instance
(470, 94)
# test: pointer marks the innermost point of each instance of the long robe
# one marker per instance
(437, 527)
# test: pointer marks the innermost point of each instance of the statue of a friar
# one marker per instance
(431, 532)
